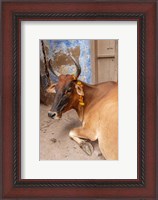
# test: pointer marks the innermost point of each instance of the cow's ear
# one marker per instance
(51, 88)
(79, 90)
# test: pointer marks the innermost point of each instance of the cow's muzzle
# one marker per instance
(53, 115)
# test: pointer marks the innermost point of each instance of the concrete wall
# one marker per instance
(80, 49)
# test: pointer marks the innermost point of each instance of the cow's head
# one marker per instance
(68, 93)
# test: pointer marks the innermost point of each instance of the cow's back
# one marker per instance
(108, 127)
(102, 118)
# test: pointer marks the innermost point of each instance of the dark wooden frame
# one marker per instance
(144, 187)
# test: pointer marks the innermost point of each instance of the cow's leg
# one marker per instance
(78, 133)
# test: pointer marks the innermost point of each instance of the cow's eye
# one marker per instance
(68, 90)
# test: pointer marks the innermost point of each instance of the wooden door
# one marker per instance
(105, 60)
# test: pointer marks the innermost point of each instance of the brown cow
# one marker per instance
(97, 108)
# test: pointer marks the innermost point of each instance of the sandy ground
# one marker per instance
(55, 143)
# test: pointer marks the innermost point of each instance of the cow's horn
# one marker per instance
(57, 74)
(78, 67)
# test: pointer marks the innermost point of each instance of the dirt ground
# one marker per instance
(55, 143)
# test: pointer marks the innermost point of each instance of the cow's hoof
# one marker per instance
(87, 147)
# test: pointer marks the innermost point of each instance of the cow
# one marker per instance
(96, 106)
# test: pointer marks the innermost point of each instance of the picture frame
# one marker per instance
(145, 186)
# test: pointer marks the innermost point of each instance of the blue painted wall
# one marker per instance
(56, 46)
